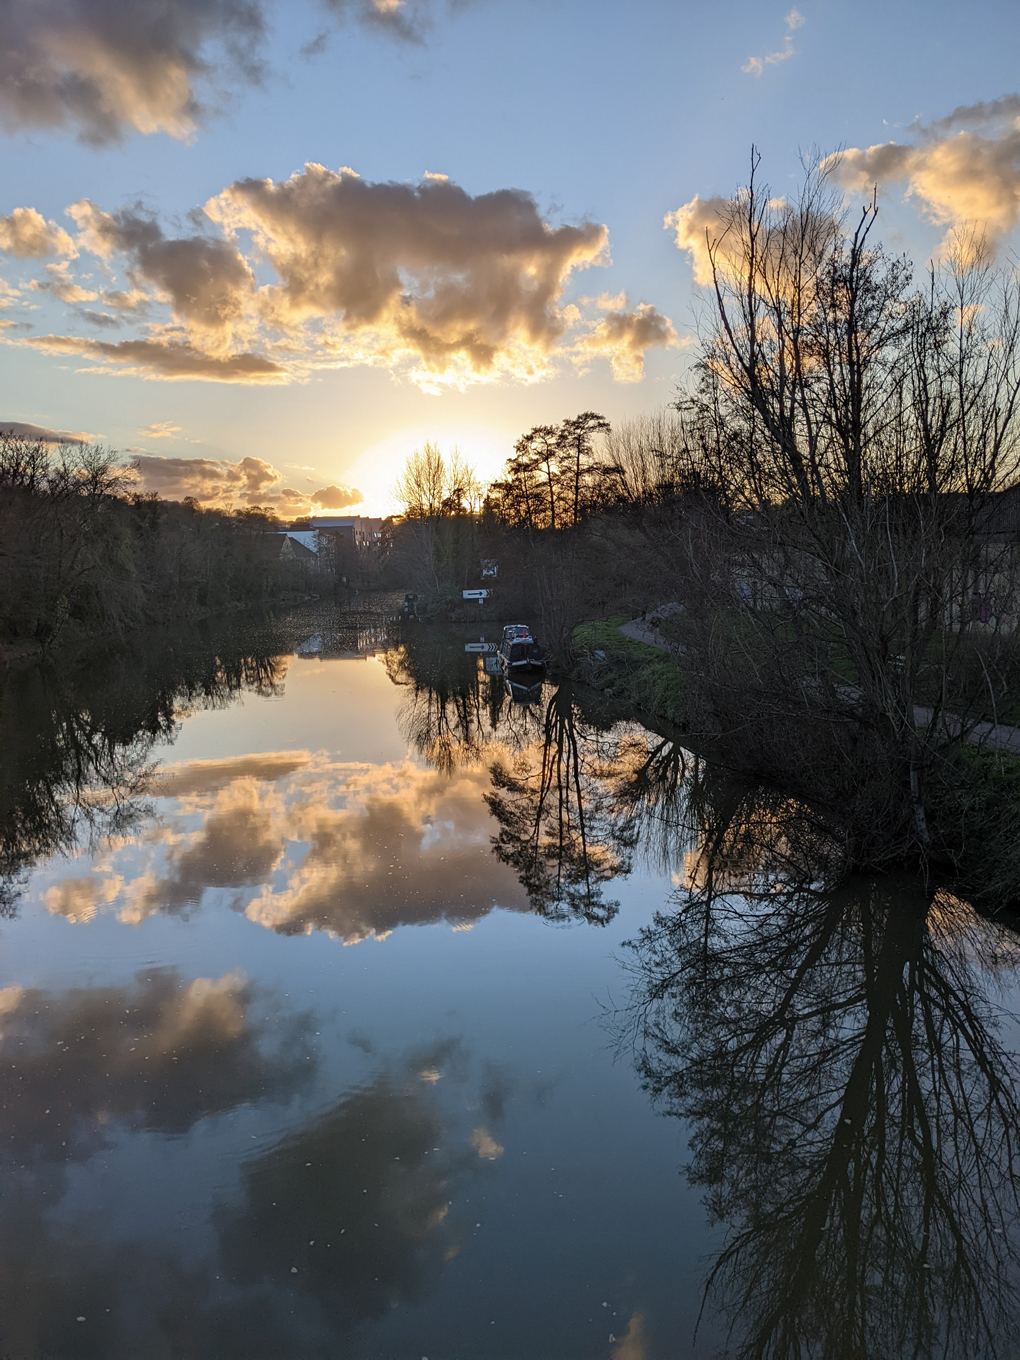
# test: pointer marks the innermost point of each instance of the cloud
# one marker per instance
(397, 18)
(423, 279)
(756, 65)
(106, 69)
(207, 282)
(623, 336)
(458, 286)
(361, 1208)
(336, 497)
(23, 429)
(486, 1146)
(201, 777)
(217, 482)
(101, 319)
(26, 234)
(697, 225)
(301, 844)
(62, 286)
(168, 360)
(132, 300)
(632, 1345)
(163, 429)
(963, 170)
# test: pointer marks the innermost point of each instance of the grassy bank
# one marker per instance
(627, 670)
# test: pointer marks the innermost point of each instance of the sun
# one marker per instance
(376, 469)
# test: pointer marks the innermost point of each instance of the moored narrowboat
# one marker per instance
(520, 656)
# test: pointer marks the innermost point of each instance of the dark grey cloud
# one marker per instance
(24, 429)
(982, 114)
(165, 359)
(209, 776)
(105, 69)
(102, 320)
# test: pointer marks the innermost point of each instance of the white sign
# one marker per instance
(476, 594)
(487, 648)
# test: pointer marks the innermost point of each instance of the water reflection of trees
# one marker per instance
(570, 781)
(560, 829)
(854, 1111)
(451, 710)
(77, 745)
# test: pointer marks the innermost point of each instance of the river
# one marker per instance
(350, 1008)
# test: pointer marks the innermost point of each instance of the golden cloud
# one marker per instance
(962, 178)
(220, 483)
(26, 430)
(423, 279)
(624, 336)
(459, 287)
(58, 281)
(304, 844)
(162, 429)
(26, 234)
(336, 497)
(698, 227)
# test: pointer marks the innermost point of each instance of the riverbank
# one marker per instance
(74, 647)
(628, 669)
(976, 804)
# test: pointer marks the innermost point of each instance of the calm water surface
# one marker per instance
(315, 1037)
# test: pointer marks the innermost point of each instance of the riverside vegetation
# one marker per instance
(830, 510)
(83, 557)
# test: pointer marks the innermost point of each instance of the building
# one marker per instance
(295, 547)
(361, 530)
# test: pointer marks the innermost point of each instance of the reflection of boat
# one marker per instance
(524, 694)
(520, 655)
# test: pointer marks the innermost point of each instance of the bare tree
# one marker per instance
(862, 438)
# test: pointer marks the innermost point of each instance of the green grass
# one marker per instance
(632, 671)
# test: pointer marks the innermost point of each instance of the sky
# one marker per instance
(268, 247)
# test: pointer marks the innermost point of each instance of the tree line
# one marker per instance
(82, 555)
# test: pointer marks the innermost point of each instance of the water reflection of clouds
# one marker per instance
(158, 1053)
(353, 1211)
(304, 843)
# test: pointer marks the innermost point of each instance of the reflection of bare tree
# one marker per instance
(558, 826)
(77, 746)
(452, 710)
(855, 1115)
(573, 787)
